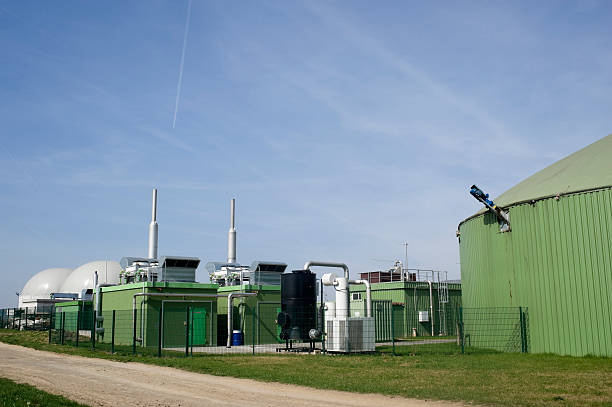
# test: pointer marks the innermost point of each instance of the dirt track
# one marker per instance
(99, 382)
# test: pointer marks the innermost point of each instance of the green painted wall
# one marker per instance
(265, 306)
(120, 299)
(409, 298)
(71, 309)
(556, 261)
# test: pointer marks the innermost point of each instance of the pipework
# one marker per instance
(231, 235)
(368, 295)
(230, 308)
(153, 228)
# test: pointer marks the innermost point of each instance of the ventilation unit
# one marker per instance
(350, 335)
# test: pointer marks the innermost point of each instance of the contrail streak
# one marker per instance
(180, 78)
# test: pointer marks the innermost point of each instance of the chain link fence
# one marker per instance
(180, 329)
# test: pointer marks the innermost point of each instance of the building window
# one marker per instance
(356, 296)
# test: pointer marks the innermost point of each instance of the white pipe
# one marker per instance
(328, 264)
(230, 309)
(231, 236)
(153, 228)
(368, 295)
(431, 308)
(342, 289)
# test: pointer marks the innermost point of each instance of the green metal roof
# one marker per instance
(589, 168)
(586, 169)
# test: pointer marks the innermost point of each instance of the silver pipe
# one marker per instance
(431, 308)
(170, 295)
(343, 266)
(187, 301)
(368, 295)
(153, 228)
(231, 235)
(230, 309)
(327, 264)
(97, 287)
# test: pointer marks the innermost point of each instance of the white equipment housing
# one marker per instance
(355, 334)
(347, 334)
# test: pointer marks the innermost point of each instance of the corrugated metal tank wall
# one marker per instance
(556, 261)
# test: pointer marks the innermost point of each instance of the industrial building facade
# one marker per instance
(556, 259)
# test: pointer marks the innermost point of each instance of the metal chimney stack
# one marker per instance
(153, 228)
(231, 237)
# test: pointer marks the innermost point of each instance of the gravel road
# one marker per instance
(99, 382)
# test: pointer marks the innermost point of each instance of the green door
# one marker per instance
(198, 326)
(175, 324)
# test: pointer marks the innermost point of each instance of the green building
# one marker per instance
(161, 307)
(74, 310)
(556, 260)
(407, 299)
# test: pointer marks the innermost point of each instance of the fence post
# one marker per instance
(461, 333)
(159, 334)
(187, 332)
(522, 322)
(77, 327)
(63, 326)
(51, 313)
(392, 330)
(93, 331)
(253, 328)
(134, 333)
(113, 334)
(323, 327)
(26, 319)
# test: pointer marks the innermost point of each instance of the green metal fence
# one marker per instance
(502, 329)
(182, 329)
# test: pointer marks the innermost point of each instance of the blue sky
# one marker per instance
(342, 128)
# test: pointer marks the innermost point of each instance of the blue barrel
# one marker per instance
(237, 337)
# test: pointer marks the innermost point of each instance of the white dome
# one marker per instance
(83, 276)
(42, 284)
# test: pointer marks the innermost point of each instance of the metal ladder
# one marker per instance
(442, 300)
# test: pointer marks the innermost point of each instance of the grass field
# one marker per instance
(22, 395)
(481, 377)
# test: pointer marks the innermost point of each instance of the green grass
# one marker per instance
(481, 377)
(17, 395)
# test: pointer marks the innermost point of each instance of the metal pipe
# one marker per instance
(190, 302)
(98, 291)
(343, 266)
(368, 295)
(311, 263)
(230, 309)
(153, 228)
(231, 236)
(431, 308)
(165, 295)
(172, 295)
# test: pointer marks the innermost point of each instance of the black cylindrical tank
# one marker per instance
(298, 304)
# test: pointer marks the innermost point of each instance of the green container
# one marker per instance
(120, 298)
(557, 259)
